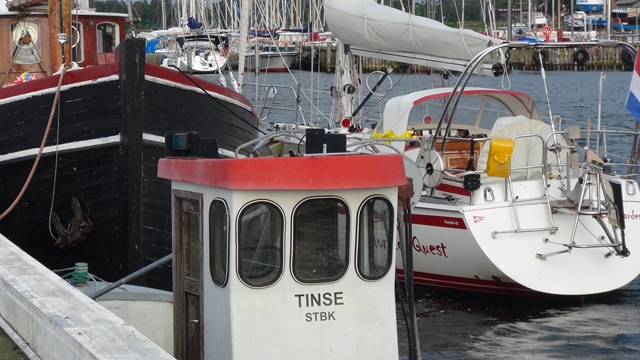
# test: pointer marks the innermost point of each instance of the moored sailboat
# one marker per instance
(551, 223)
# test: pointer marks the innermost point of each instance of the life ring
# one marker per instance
(581, 56)
(547, 32)
(543, 53)
(627, 57)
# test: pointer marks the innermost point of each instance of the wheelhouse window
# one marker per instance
(218, 241)
(260, 239)
(375, 238)
(107, 37)
(320, 240)
(25, 42)
(77, 42)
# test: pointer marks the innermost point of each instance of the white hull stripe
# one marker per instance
(61, 147)
(85, 144)
(53, 89)
(115, 78)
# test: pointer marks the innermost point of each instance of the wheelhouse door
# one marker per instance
(187, 278)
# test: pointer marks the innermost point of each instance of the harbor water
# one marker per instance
(462, 325)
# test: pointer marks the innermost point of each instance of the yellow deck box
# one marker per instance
(499, 159)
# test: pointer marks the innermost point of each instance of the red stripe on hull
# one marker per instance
(439, 221)
(102, 71)
(176, 76)
(470, 284)
(70, 77)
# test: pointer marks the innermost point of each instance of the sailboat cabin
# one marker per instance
(31, 37)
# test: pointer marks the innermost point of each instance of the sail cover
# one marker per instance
(371, 29)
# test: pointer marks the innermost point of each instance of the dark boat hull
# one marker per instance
(103, 149)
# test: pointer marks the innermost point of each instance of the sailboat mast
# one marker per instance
(164, 16)
(242, 46)
(509, 23)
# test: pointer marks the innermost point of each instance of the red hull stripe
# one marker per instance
(452, 189)
(101, 71)
(289, 173)
(176, 76)
(460, 283)
(439, 221)
(51, 82)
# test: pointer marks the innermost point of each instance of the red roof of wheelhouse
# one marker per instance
(322, 172)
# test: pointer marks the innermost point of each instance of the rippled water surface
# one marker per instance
(459, 325)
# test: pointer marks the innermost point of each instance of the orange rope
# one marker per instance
(44, 140)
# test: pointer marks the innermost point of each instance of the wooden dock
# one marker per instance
(568, 59)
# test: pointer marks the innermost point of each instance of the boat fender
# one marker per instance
(627, 57)
(581, 56)
(545, 56)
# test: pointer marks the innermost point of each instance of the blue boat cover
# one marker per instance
(193, 23)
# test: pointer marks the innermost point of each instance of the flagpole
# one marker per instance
(633, 108)
(602, 78)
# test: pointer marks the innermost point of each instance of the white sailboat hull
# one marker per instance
(204, 64)
(526, 238)
(456, 246)
(271, 62)
(211, 63)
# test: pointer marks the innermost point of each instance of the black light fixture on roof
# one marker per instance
(189, 144)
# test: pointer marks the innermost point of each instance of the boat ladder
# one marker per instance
(516, 200)
(595, 197)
